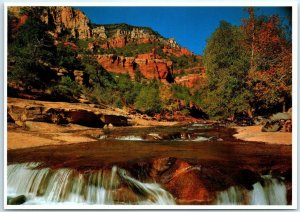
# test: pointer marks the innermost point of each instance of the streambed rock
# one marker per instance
(199, 184)
(279, 121)
(18, 200)
(189, 184)
(271, 126)
(123, 194)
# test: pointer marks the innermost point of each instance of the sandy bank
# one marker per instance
(253, 133)
(21, 140)
(33, 123)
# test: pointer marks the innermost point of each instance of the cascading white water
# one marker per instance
(157, 195)
(231, 196)
(271, 191)
(67, 186)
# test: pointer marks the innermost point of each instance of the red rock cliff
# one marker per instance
(149, 67)
(63, 18)
(67, 18)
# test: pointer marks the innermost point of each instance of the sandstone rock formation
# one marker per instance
(81, 77)
(64, 19)
(67, 18)
(122, 37)
(22, 111)
(188, 183)
(190, 80)
(149, 68)
(172, 48)
(152, 65)
(99, 33)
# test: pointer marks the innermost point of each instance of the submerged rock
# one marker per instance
(189, 184)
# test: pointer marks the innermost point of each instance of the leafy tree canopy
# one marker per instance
(226, 63)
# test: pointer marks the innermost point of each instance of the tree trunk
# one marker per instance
(283, 106)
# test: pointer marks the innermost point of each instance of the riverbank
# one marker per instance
(254, 133)
(36, 134)
(33, 123)
(39, 123)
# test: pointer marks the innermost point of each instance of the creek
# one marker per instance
(195, 164)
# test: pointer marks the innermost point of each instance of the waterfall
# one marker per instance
(152, 191)
(47, 186)
(115, 186)
(271, 191)
(231, 196)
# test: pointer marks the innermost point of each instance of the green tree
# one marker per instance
(129, 89)
(66, 89)
(227, 64)
(181, 92)
(29, 54)
(148, 100)
(67, 57)
(98, 74)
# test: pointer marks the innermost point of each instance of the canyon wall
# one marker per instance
(72, 23)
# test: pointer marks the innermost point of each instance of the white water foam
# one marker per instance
(200, 138)
(101, 137)
(271, 192)
(130, 138)
(67, 186)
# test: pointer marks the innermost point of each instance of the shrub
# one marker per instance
(148, 100)
(67, 89)
(181, 92)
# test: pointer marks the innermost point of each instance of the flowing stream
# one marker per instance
(46, 186)
(67, 186)
(124, 167)
(270, 192)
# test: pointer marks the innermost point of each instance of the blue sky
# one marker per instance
(190, 26)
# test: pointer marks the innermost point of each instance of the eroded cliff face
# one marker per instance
(191, 80)
(99, 33)
(64, 20)
(171, 47)
(68, 19)
(149, 67)
(121, 37)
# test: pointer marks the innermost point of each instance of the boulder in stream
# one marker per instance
(18, 200)
(271, 126)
